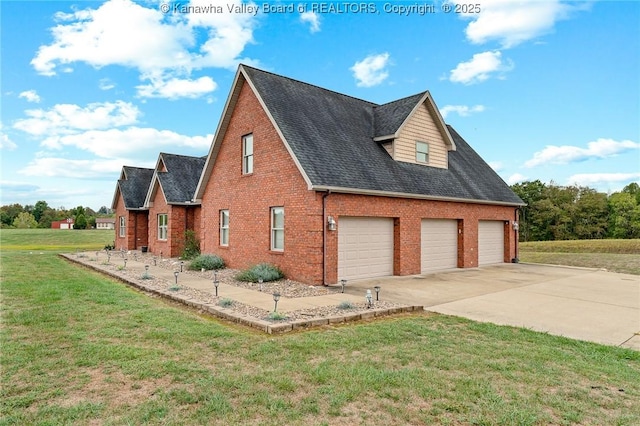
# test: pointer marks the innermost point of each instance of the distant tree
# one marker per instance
(590, 214)
(91, 222)
(49, 216)
(11, 212)
(103, 210)
(634, 189)
(25, 220)
(39, 209)
(623, 215)
(80, 222)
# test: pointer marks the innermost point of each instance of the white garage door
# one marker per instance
(439, 244)
(365, 247)
(490, 242)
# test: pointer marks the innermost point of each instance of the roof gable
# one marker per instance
(177, 176)
(133, 186)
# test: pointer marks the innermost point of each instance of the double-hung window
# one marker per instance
(422, 152)
(277, 228)
(163, 226)
(247, 154)
(123, 229)
(224, 227)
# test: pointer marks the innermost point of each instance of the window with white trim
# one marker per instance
(224, 227)
(163, 226)
(422, 152)
(277, 228)
(123, 229)
(247, 154)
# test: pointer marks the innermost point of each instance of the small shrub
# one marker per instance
(206, 261)
(191, 245)
(265, 271)
(345, 305)
(225, 303)
(146, 276)
(276, 316)
(174, 288)
(110, 246)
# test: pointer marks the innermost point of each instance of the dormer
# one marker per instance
(413, 131)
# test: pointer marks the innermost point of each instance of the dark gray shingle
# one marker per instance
(331, 135)
(135, 186)
(181, 177)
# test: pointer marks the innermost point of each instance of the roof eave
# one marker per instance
(380, 193)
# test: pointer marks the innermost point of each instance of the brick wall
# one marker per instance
(275, 181)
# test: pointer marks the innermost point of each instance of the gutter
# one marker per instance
(409, 195)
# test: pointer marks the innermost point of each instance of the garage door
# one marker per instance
(490, 242)
(439, 244)
(365, 247)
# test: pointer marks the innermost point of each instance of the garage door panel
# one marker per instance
(439, 244)
(490, 242)
(365, 247)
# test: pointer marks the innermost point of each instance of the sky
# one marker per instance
(541, 89)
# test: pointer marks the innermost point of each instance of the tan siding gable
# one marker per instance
(421, 127)
(388, 146)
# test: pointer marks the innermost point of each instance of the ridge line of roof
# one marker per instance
(311, 85)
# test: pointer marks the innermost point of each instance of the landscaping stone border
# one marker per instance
(242, 319)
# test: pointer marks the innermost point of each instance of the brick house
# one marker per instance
(330, 187)
(171, 210)
(131, 227)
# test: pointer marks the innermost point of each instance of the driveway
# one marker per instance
(580, 303)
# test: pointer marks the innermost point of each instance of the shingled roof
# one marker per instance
(133, 185)
(331, 137)
(180, 178)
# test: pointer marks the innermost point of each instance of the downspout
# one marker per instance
(324, 237)
(516, 231)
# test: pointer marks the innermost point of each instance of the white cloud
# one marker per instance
(67, 168)
(106, 84)
(5, 141)
(461, 110)
(480, 68)
(371, 71)
(117, 143)
(175, 88)
(313, 19)
(69, 118)
(515, 178)
(159, 46)
(601, 148)
(30, 96)
(587, 179)
(512, 23)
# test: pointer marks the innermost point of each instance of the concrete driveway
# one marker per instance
(580, 303)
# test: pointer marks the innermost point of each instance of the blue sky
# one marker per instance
(542, 89)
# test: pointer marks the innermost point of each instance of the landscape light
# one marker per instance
(276, 297)
(377, 289)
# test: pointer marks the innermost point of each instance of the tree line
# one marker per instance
(41, 215)
(575, 212)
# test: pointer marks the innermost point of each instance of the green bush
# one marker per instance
(345, 305)
(265, 271)
(206, 261)
(225, 303)
(191, 245)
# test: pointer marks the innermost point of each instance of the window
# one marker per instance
(224, 227)
(247, 154)
(422, 152)
(123, 230)
(277, 228)
(162, 226)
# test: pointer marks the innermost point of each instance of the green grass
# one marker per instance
(78, 348)
(614, 255)
(58, 240)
